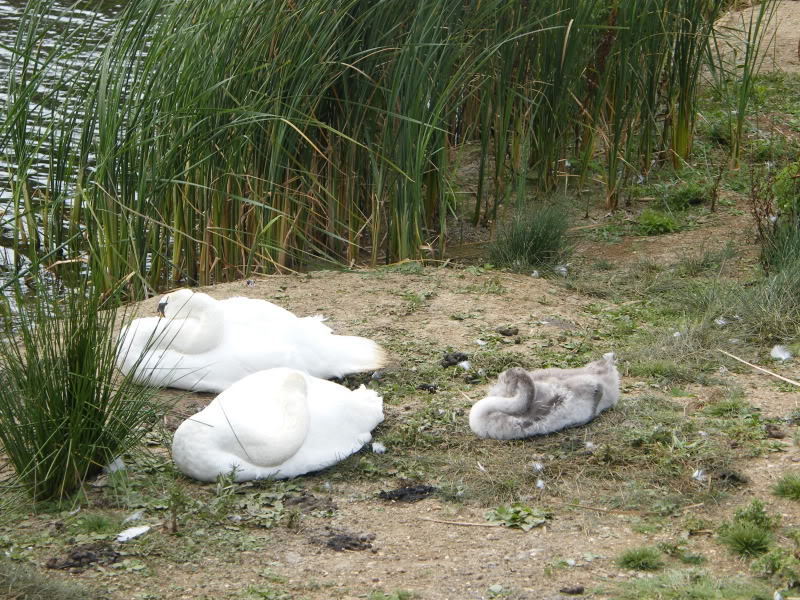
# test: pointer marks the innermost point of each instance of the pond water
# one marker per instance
(92, 20)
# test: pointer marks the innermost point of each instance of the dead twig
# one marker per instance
(768, 372)
(462, 523)
(637, 513)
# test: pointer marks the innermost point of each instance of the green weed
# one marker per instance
(395, 595)
(653, 222)
(518, 516)
(779, 564)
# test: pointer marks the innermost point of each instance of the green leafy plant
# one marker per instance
(787, 189)
(780, 564)
(653, 222)
(645, 558)
(518, 516)
(756, 513)
(64, 412)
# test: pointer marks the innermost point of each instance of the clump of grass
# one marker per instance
(691, 583)
(769, 310)
(645, 558)
(729, 407)
(749, 534)
(18, 581)
(781, 246)
(96, 523)
(689, 193)
(64, 413)
(395, 595)
(692, 265)
(536, 236)
(746, 538)
(653, 222)
(788, 486)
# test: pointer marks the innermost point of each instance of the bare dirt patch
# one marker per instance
(782, 37)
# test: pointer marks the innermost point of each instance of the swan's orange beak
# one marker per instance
(162, 306)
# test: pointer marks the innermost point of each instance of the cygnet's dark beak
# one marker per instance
(162, 306)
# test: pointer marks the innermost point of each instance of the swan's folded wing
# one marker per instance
(250, 310)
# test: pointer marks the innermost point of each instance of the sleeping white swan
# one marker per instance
(277, 423)
(202, 344)
(527, 403)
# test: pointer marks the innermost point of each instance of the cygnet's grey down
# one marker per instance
(527, 403)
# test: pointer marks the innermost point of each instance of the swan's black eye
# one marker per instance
(162, 306)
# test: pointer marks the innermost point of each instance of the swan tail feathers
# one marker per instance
(353, 354)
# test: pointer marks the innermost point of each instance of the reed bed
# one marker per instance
(204, 141)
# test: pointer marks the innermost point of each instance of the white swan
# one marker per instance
(277, 423)
(527, 403)
(202, 344)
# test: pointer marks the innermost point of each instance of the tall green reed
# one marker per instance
(204, 140)
(692, 25)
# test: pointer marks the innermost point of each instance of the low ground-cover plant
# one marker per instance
(64, 411)
(518, 515)
(653, 222)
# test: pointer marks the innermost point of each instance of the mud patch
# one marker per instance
(83, 556)
(413, 493)
(309, 503)
(342, 541)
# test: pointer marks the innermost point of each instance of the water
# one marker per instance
(91, 21)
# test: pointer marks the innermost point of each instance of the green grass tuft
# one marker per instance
(788, 486)
(691, 583)
(645, 558)
(20, 582)
(746, 538)
(536, 236)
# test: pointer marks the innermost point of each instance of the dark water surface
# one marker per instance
(93, 21)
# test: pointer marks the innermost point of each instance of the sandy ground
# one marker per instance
(781, 39)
